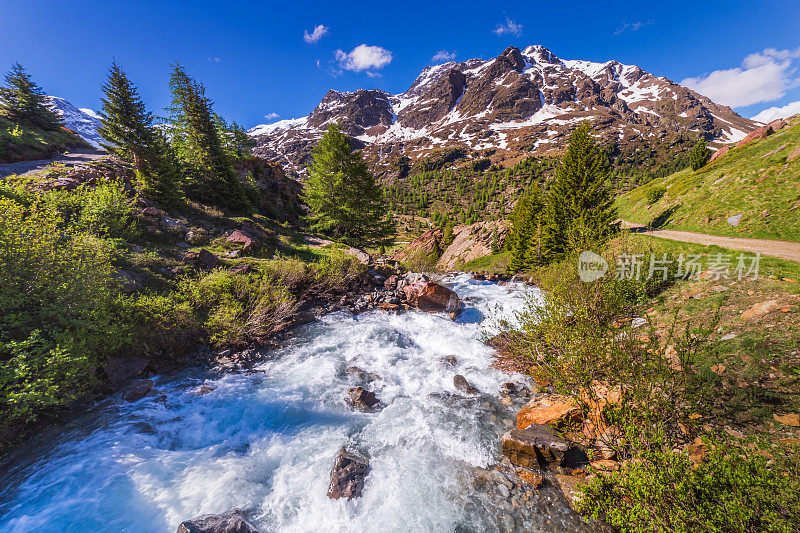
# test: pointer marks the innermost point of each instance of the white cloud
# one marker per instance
(443, 56)
(763, 77)
(363, 57)
(213, 59)
(632, 26)
(774, 113)
(509, 27)
(271, 116)
(318, 33)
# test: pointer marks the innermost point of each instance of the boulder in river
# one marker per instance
(361, 399)
(138, 390)
(461, 384)
(347, 476)
(537, 446)
(120, 369)
(432, 297)
(233, 521)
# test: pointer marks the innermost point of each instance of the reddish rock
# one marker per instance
(777, 124)
(431, 297)
(553, 409)
(719, 153)
(360, 399)
(151, 212)
(347, 476)
(391, 282)
(794, 155)
(758, 133)
(243, 237)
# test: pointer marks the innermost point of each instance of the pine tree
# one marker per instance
(699, 155)
(343, 195)
(22, 100)
(447, 236)
(580, 202)
(523, 238)
(127, 127)
(198, 144)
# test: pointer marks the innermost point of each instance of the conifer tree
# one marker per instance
(523, 238)
(127, 127)
(22, 100)
(197, 142)
(345, 199)
(699, 155)
(580, 201)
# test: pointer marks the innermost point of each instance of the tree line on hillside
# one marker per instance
(193, 152)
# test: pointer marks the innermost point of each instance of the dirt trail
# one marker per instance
(783, 249)
(69, 159)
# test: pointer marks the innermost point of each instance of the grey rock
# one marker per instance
(233, 521)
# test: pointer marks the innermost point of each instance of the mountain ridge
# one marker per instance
(518, 103)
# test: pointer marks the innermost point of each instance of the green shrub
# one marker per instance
(655, 194)
(734, 490)
(57, 312)
(106, 211)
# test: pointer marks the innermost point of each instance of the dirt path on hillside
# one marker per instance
(783, 249)
(69, 159)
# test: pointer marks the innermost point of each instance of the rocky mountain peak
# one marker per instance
(518, 103)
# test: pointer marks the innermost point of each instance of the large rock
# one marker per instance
(120, 369)
(719, 153)
(347, 476)
(421, 253)
(138, 390)
(553, 409)
(361, 399)
(461, 384)
(758, 133)
(233, 521)
(248, 241)
(471, 242)
(537, 446)
(431, 297)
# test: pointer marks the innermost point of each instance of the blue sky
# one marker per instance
(256, 63)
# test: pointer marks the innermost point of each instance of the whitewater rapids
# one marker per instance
(264, 440)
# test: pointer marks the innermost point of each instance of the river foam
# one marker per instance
(264, 440)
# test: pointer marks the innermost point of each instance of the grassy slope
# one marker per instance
(23, 143)
(765, 190)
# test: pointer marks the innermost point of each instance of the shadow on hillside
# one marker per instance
(663, 218)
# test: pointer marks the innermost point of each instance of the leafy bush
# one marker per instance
(106, 210)
(57, 307)
(734, 490)
(655, 194)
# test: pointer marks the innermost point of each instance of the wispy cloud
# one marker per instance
(316, 34)
(632, 26)
(443, 56)
(213, 59)
(762, 77)
(271, 116)
(363, 58)
(509, 27)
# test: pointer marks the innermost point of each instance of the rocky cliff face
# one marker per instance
(520, 102)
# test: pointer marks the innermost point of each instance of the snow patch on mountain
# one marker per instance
(85, 122)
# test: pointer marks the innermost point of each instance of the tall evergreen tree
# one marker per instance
(523, 239)
(580, 202)
(699, 155)
(127, 127)
(345, 199)
(197, 141)
(22, 100)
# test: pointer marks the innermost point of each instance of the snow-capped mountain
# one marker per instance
(84, 122)
(518, 103)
